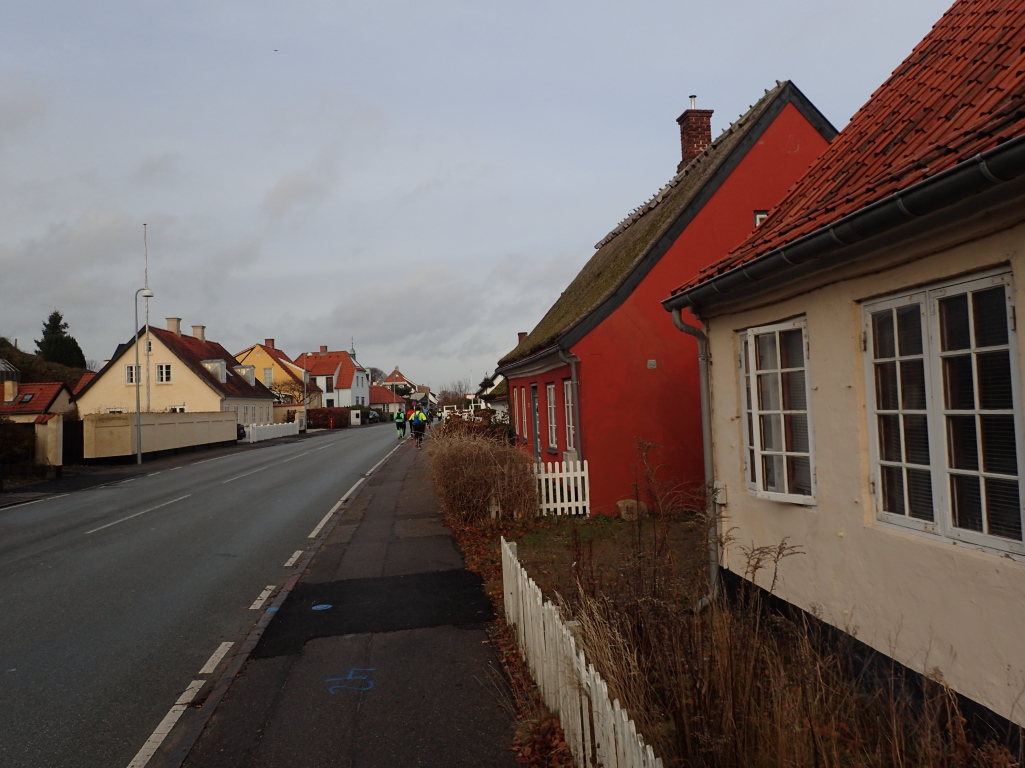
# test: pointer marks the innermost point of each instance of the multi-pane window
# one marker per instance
(131, 374)
(329, 382)
(567, 399)
(163, 373)
(523, 412)
(268, 376)
(945, 411)
(777, 427)
(553, 435)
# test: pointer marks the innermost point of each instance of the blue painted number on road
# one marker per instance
(354, 681)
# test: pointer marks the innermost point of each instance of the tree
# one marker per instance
(57, 346)
(455, 392)
(376, 374)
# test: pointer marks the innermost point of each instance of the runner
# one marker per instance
(400, 424)
(418, 424)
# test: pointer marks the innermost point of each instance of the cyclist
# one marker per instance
(418, 423)
(400, 423)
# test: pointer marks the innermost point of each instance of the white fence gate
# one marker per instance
(598, 731)
(563, 488)
(257, 432)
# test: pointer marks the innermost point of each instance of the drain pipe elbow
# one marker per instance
(706, 442)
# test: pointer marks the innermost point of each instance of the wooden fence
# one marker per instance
(598, 731)
(563, 488)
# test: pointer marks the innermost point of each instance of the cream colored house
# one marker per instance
(289, 383)
(177, 373)
(865, 377)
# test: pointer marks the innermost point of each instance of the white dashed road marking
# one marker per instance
(154, 741)
(219, 654)
(258, 603)
(158, 506)
(292, 560)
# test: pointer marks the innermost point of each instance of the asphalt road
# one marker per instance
(113, 598)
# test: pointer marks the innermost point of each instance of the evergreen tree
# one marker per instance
(57, 346)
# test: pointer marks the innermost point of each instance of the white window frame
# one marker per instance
(568, 404)
(752, 436)
(176, 409)
(130, 379)
(523, 412)
(553, 427)
(942, 524)
(268, 377)
(163, 373)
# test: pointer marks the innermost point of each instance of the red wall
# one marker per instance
(621, 399)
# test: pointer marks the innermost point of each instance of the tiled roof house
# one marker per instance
(601, 373)
(339, 375)
(186, 373)
(385, 399)
(866, 376)
(32, 402)
(280, 374)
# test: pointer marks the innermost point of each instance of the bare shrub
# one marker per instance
(477, 475)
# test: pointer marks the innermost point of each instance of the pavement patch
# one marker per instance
(365, 606)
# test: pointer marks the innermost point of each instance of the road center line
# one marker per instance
(158, 506)
(215, 659)
(292, 560)
(295, 457)
(46, 498)
(157, 738)
(258, 603)
(244, 474)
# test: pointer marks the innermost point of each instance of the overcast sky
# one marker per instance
(422, 176)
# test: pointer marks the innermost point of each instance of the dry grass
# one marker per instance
(477, 475)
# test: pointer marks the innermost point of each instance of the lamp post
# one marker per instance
(146, 292)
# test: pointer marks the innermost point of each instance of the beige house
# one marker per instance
(177, 373)
(865, 383)
(289, 382)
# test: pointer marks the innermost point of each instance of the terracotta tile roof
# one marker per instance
(960, 92)
(382, 395)
(337, 364)
(193, 352)
(39, 398)
(397, 377)
(82, 382)
(286, 363)
(635, 246)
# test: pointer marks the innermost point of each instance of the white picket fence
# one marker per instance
(598, 731)
(257, 432)
(563, 488)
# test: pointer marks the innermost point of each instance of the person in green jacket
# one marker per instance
(400, 424)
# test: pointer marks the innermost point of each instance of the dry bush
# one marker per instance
(477, 475)
(738, 686)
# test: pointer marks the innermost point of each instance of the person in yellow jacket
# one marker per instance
(418, 424)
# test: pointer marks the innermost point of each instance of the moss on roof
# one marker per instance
(623, 249)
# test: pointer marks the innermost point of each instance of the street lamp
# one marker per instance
(147, 293)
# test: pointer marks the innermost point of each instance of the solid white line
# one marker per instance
(348, 493)
(292, 560)
(323, 522)
(215, 659)
(157, 738)
(246, 474)
(258, 603)
(48, 498)
(295, 457)
(158, 506)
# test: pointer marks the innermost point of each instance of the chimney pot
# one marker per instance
(199, 331)
(323, 349)
(695, 133)
(521, 335)
(174, 325)
(269, 343)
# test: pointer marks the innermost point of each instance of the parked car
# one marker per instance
(373, 417)
(240, 432)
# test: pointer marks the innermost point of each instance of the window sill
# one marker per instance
(788, 498)
(553, 451)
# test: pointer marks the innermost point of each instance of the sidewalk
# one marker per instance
(378, 657)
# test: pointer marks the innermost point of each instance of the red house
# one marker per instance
(603, 372)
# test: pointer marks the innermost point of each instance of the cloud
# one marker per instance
(294, 192)
(18, 109)
(159, 169)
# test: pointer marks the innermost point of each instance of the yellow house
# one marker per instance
(289, 382)
(177, 373)
(865, 377)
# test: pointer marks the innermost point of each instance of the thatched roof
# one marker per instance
(630, 251)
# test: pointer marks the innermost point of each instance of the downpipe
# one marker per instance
(706, 441)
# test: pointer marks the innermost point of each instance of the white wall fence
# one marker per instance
(563, 488)
(598, 731)
(257, 432)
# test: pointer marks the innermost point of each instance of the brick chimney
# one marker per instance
(10, 390)
(522, 335)
(269, 343)
(174, 325)
(695, 132)
(199, 331)
(323, 349)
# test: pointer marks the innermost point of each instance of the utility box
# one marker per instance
(355, 418)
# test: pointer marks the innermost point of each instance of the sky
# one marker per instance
(418, 179)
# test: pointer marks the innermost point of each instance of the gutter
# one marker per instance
(711, 494)
(984, 171)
